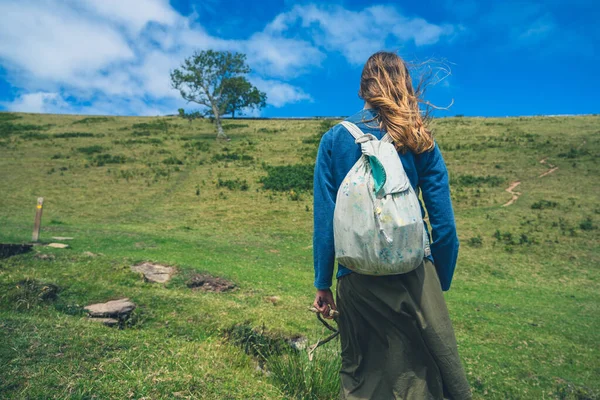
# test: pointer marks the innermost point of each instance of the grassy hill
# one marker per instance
(525, 300)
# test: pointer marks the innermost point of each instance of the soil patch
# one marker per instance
(9, 249)
(515, 195)
(209, 283)
(551, 170)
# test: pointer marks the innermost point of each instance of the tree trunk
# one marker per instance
(220, 133)
(233, 114)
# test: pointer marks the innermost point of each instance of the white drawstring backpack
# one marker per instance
(377, 223)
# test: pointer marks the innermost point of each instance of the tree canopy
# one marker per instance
(216, 80)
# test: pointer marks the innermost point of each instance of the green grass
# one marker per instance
(524, 303)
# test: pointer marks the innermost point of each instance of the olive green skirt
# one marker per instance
(397, 339)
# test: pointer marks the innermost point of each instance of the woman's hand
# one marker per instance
(324, 303)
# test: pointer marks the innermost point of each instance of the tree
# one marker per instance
(238, 94)
(215, 79)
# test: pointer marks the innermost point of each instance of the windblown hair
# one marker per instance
(387, 86)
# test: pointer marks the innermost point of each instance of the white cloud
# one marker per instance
(40, 102)
(54, 42)
(358, 34)
(134, 14)
(280, 93)
(115, 55)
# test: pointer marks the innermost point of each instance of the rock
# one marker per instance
(114, 308)
(61, 238)
(45, 256)
(89, 254)
(58, 245)
(106, 321)
(154, 272)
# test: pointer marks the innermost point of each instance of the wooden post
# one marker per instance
(38, 219)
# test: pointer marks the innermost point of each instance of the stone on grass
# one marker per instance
(154, 272)
(114, 308)
(58, 245)
(89, 254)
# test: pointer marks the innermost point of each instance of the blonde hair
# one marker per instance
(386, 85)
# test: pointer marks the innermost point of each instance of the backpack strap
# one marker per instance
(356, 132)
(353, 129)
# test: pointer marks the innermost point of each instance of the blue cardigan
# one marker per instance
(427, 172)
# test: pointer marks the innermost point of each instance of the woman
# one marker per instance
(396, 336)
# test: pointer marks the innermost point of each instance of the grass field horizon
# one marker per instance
(524, 302)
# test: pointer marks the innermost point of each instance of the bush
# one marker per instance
(476, 241)
(574, 153)
(543, 204)
(91, 149)
(92, 120)
(233, 184)
(197, 145)
(232, 157)
(587, 225)
(471, 180)
(284, 178)
(68, 135)
(7, 128)
(35, 136)
(172, 161)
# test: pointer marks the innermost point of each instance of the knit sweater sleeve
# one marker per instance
(324, 205)
(434, 185)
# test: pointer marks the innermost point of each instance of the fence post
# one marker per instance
(38, 219)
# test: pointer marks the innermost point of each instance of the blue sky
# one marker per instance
(113, 57)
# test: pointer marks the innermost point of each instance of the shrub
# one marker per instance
(574, 153)
(234, 126)
(587, 225)
(35, 136)
(233, 184)
(197, 145)
(172, 161)
(7, 128)
(91, 149)
(284, 178)
(471, 180)
(476, 241)
(232, 157)
(543, 204)
(267, 130)
(92, 120)
(4, 116)
(68, 135)
(156, 125)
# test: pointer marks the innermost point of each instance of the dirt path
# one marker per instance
(515, 195)
(551, 170)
